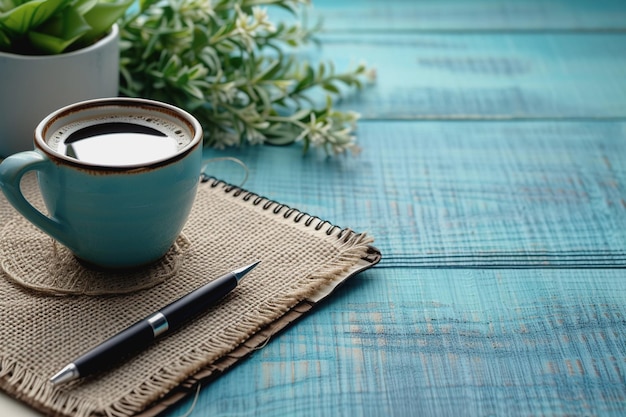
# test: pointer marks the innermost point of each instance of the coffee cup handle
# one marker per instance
(12, 169)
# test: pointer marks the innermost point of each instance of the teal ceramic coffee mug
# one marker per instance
(118, 178)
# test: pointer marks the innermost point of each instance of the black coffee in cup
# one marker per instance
(120, 140)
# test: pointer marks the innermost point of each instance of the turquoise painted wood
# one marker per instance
(475, 15)
(492, 177)
(485, 75)
(442, 342)
(480, 194)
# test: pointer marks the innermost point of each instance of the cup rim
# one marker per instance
(186, 118)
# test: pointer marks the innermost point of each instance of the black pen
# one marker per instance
(141, 334)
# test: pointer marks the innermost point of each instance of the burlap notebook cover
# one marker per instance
(53, 309)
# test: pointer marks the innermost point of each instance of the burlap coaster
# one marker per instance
(302, 259)
(33, 259)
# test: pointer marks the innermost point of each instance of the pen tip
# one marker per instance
(241, 272)
(67, 374)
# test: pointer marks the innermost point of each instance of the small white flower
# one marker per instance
(225, 139)
(261, 20)
(254, 137)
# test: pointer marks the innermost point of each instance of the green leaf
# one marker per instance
(102, 16)
(269, 71)
(193, 91)
(197, 71)
(6, 5)
(145, 4)
(58, 33)
(307, 80)
(29, 15)
(199, 39)
(49, 44)
(83, 6)
(172, 66)
(330, 87)
(5, 41)
(310, 73)
(321, 70)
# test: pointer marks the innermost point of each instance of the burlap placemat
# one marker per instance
(302, 259)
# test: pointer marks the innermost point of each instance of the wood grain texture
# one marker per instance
(492, 177)
(479, 194)
(484, 76)
(475, 15)
(405, 342)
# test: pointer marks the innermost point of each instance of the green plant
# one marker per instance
(36, 27)
(234, 69)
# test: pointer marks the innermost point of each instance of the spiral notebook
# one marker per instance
(54, 309)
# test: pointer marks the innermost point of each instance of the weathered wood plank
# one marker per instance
(522, 193)
(479, 76)
(482, 194)
(455, 15)
(401, 342)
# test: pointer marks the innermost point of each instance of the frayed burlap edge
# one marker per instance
(351, 248)
(257, 341)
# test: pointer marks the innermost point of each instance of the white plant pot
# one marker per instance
(31, 87)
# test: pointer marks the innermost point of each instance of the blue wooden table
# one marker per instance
(493, 179)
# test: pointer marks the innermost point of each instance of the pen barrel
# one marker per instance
(198, 301)
(128, 341)
(141, 334)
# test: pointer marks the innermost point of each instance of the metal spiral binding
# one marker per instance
(278, 208)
